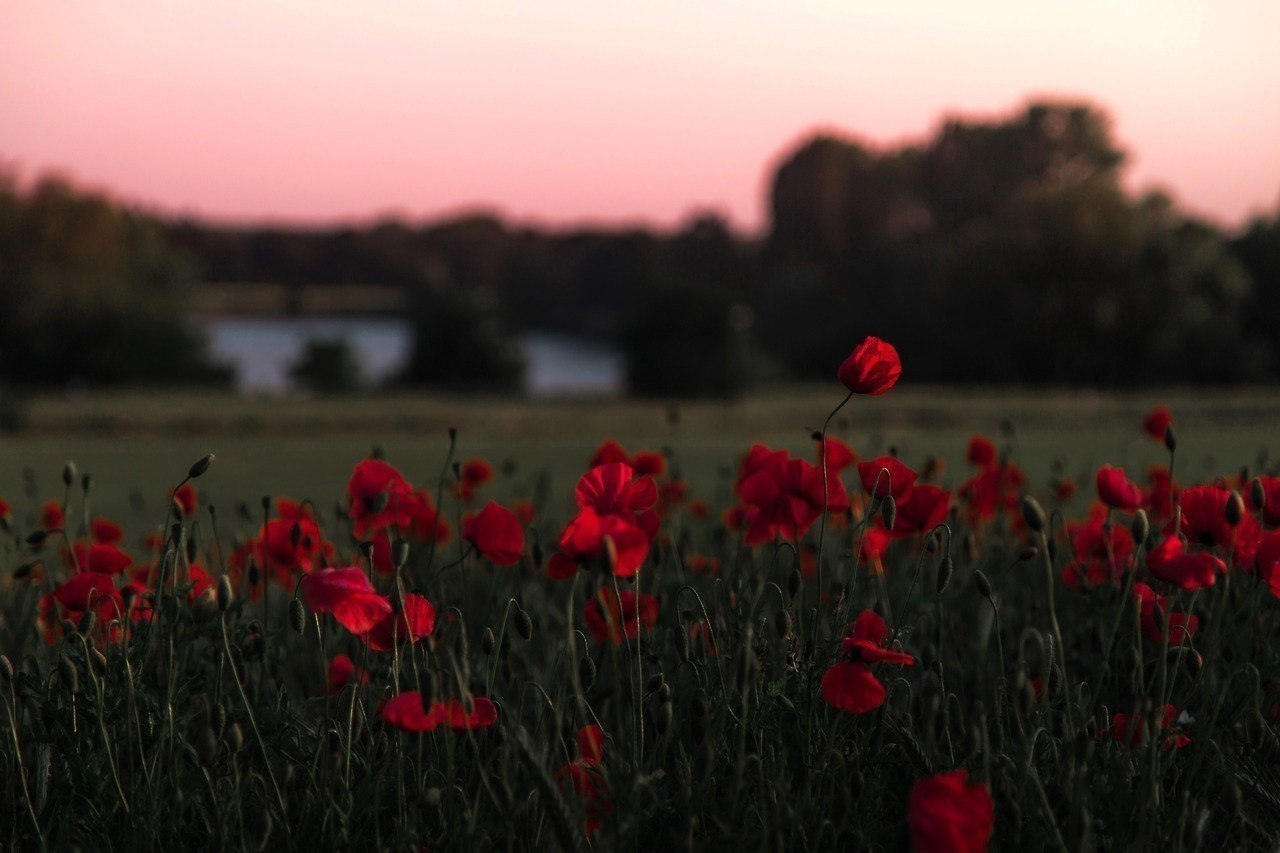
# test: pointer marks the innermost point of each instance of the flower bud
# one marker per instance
(782, 624)
(794, 582)
(1170, 439)
(1140, 527)
(1033, 514)
(224, 593)
(6, 669)
(1028, 553)
(399, 553)
(1258, 493)
(945, 568)
(487, 641)
(889, 511)
(200, 466)
(524, 624)
(587, 672)
(297, 616)
(68, 473)
(1234, 510)
(69, 674)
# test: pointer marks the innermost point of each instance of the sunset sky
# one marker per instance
(570, 112)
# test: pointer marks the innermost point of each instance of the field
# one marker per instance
(217, 693)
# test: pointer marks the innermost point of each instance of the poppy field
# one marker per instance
(841, 645)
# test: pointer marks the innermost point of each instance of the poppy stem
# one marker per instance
(822, 524)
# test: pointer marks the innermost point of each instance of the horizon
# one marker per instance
(572, 116)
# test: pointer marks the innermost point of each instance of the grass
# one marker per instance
(212, 728)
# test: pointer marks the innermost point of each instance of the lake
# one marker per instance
(263, 349)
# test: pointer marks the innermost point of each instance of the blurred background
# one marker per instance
(573, 200)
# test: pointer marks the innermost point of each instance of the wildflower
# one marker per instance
(609, 617)
(1116, 490)
(105, 531)
(925, 508)
(343, 672)
(1101, 551)
(948, 813)
(348, 595)
(472, 474)
(1181, 627)
(585, 779)
(850, 685)
(1157, 421)
(495, 532)
(872, 368)
(897, 482)
(839, 455)
(1130, 730)
(416, 619)
(97, 557)
(1168, 563)
(87, 591)
(378, 497)
(609, 451)
(981, 452)
(784, 497)
(405, 712)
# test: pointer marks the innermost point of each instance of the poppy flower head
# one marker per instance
(839, 455)
(378, 497)
(949, 813)
(473, 474)
(347, 594)
(609, 451)
(872, 368)
(416, 619)
(610, 617)
(496, 533)
(105, 531)
(925, 508)
(850, 685)
(1116, 490)
(886, 475)
(405, 712)
(981, 452)
(52, 516)
(1157, 421)
(99, 557)
(1130, 730)
(1168, 562)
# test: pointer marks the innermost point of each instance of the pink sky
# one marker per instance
(567, 112)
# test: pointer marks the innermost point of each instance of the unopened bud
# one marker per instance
(1170, 438)
(945, 568)
(487, 641)
(69, 674)
(200, 466)
(297, 616)
(6, 668)
(1140, 527)
(224, 593)
(1234, 510)
(587, 672)
(68, 473)
(782, 624)
(982, 583)
(1033, 514)
(399, 553)
(889, 512)
(794, 583)
(1258, 493)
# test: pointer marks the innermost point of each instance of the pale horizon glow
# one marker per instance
(564, 113)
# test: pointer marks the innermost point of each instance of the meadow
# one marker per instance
(474, 623)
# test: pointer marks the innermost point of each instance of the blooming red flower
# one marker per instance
(426, 522)
(1101, 551)
(378, 497)
(585, 779)
(473, 474)
(995, 488)
(609, 451)
(495, 532)
(1159, 501)
(897, 482)
(839, 455)
(185, 499)
(585, 538)
(1204, 519)
(105, 531)
(416, 619)
(1116, 490)
(981, 452)
(106, 559)
(784, 497)
(872, 368)
(1181, 626)
(850, 684)
(348, 595)
(343, 672)
(1266, 561)
(949, 814)
(52, 516)
(405, 712)
(1157, 421)
(649, 463)
(1131, 730)
(1168, 563)
(89, 591)
(291, 542)
(610, 617)
(925, 508)
(1064, 489)
(525, 511)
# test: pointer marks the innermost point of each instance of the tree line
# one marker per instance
(1001, 250)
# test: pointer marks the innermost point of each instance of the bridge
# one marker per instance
(273, 299)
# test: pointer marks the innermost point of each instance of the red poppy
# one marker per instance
(6, 511)
(1168, 563)
(981, 452)
(89, 591)
(343, 672)
(872, 368)
(949, 814)
(495, 532)
(586, 780)
(52, 516)
(291, 543)
(1159, 501)
(348, 595)
(1131, 731)
(1271, 507)
(1064, 489)
(1100, 551)
(105, 531)
(1157, 421)
(610, 617)
(472, 474)
(107, 559)
(590, 534)
(426, 522)
(649, 463)
(1116, 490)
(897, 482)
(609, 451)
(614, 489)
(839, 455)
(378, 497)
(405, 712)
(1204, 518)
(784, 498)
(996, 488)
(416, 619)
(185, 499)
(925, 508)
(1266, 561)
(850, 685)
(525, 511)
(1181, 626)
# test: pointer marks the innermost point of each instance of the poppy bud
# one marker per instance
(399, 552)
(945, 568)
(99, 661)
(205, 605)
(662, 718)
(87, 621)
(366, 549)
(254, 573)
(1033, 514)
(1258, 494)
(86, 483)
(36, 539)
(69, 674)
(782, 624)
(224, 594)
(68, 473)
(889, 511)
(193, 550)
(682, 642)
(794, 582)
(200, 466)
(1170, 439)
(68, 628)
(982, 583)
(298, 616)
(235, 738)
(536, 553)
(1028, 553)
(1140, 527)
(524, 624)
(24, 571)
(6, 668)
(1234, 510)
(587, 672)
(655, 681)
(487, 641)
(664, 693)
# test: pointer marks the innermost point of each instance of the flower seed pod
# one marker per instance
(69, 674)
(1258, 494)
(399, 553)
(889, 512)
(1170, 439)
(587, 672)
(1033, 514)
(524, 624)
(297, 616)
(68, 473)
(664, 692)
(945, 568)
(1234, 510)
(1140, 527)
(200, 466)
(487, 641)
(366, 549)
(983, 584)
(224, 594)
